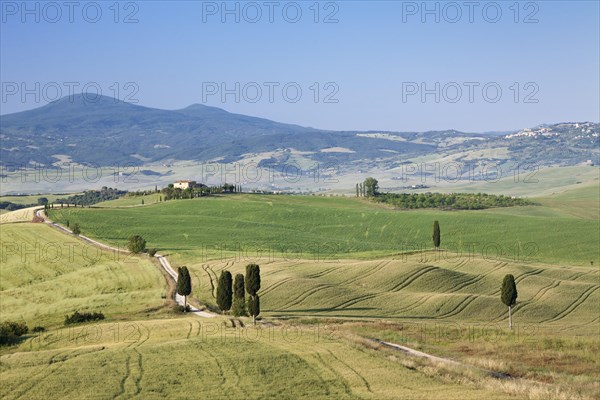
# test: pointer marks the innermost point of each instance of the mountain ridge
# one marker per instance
(105, 131)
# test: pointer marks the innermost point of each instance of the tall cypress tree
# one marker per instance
(508, 295)
(436, 234)
(252, 279)
(357, 194)
(239, 296)
(224, 291)
(252, 287)
(184, 284)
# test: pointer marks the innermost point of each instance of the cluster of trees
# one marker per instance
(453, 201)
(368, 188)
(10, 206)
(199, 190)
(90, 197)
(77, 317)
(231, 295)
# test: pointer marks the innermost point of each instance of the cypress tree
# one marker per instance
(252, 287)
(508, 295)
(252, 279)
(184, 284)
(224, 291)
(357, 194)
(436, 235)
(239, 296)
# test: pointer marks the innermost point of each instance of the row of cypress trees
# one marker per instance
(229, 294)
(232, 295)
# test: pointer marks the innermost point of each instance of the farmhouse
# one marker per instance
(184, 184)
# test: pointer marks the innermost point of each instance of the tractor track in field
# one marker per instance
(378, 267)
(362, 378)
(355, 300)
(275, 286)
(460, 307)
(238, 384)
(339, 377)
(574, 305)
(322, 273)
(45, 373)
(416, 304)
(413, 277)
(305, 295)
(218, 364)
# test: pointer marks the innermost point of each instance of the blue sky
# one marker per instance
(370, 67)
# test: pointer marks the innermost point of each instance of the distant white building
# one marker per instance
(184, 184)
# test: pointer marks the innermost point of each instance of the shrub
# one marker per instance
(76, 229)
(77, 317)
(136, 244)
(181, 309)
(38, 329)
(152, 252)
(10, 331)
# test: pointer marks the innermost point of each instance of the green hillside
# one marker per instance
(318, 227)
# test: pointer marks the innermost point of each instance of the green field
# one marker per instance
(47, 275)
(309, 227)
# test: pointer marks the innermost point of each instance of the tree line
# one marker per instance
(452, 201)
(198, 190)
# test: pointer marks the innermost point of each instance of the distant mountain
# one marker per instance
(107, 132)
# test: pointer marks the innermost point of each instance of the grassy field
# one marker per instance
(188, 358)
(22, 215)
(419, 287)
(344, 281)
(306, 227)
(47, 274)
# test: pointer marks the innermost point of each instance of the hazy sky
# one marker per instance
(480, 66)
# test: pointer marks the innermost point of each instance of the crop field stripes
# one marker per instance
(304, 296)
(356, 300)
(30, 383)
(378, 267)
(576, 303)
(322, 273)
(416, 304)
(460, 307)
(59, 360)
(413, 277)
(275, 286)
